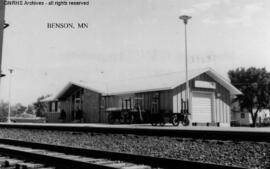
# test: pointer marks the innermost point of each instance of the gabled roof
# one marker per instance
(85, 85)
(224, 82)
(153, 83)
(165, 82)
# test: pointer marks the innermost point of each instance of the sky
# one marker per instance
(129, 39)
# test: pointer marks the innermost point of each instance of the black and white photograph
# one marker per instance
(134, 84)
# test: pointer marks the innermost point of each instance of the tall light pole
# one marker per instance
(185, 18)
(9, 95)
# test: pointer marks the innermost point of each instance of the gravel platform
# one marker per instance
(245, 154)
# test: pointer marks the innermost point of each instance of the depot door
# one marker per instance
(202, 107)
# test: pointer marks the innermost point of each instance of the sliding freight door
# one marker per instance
(202, 107)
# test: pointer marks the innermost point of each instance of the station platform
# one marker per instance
(140, 126)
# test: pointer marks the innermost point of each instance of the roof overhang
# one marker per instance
(224, 82)
(213, 74)
(137, 91)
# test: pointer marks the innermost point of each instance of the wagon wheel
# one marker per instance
(162, 123)
(130, 117)
(175, 120)
(185, 121)
(121, 118)
(154, 124)
(110, 119)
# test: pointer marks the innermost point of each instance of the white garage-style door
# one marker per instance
(202, 107)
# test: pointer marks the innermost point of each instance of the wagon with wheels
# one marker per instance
(127, 114)
(181, 117)
(178, 118)
(115, 114)
(157, 118)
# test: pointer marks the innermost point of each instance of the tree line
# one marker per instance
(15, 110)
(38, 108)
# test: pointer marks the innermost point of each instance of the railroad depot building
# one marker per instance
(209, 102)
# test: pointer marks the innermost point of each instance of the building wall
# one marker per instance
(91, 106)
(146, 100)
(103, 113)
(116, 100)
(146, 104)
(52, 111)
(222, 110)
(113, 101)
(52, 117)
(165, 100)
(178, 95)
(66, 106)
(52, 106)
(221, 99)
(166, 103)
(241, 118)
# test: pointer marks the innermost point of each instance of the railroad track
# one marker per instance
(78, 158)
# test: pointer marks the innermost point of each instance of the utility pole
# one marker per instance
(185, 18)
(9, 95)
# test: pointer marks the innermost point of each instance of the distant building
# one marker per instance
(243, 118)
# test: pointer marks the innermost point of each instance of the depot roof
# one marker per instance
(146, 84)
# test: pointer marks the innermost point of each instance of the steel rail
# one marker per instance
(51, 160)
(137, 159)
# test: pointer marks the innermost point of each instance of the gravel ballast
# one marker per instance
(244, 154)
